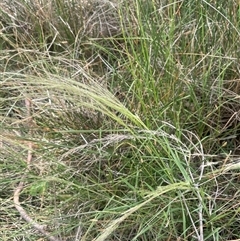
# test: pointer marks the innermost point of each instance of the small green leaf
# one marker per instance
(38, 188)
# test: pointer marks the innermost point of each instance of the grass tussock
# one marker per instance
(120, 119)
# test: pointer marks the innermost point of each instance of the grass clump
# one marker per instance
(120, 119)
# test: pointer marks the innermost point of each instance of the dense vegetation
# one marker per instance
(119, 120)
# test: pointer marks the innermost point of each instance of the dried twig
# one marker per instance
(19, 188)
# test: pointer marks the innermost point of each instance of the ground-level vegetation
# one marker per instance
(120, 120)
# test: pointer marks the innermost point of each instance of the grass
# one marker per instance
(121, 119)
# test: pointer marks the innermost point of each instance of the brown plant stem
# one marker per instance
(19, 188)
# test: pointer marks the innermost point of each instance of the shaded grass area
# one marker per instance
(133, 124)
